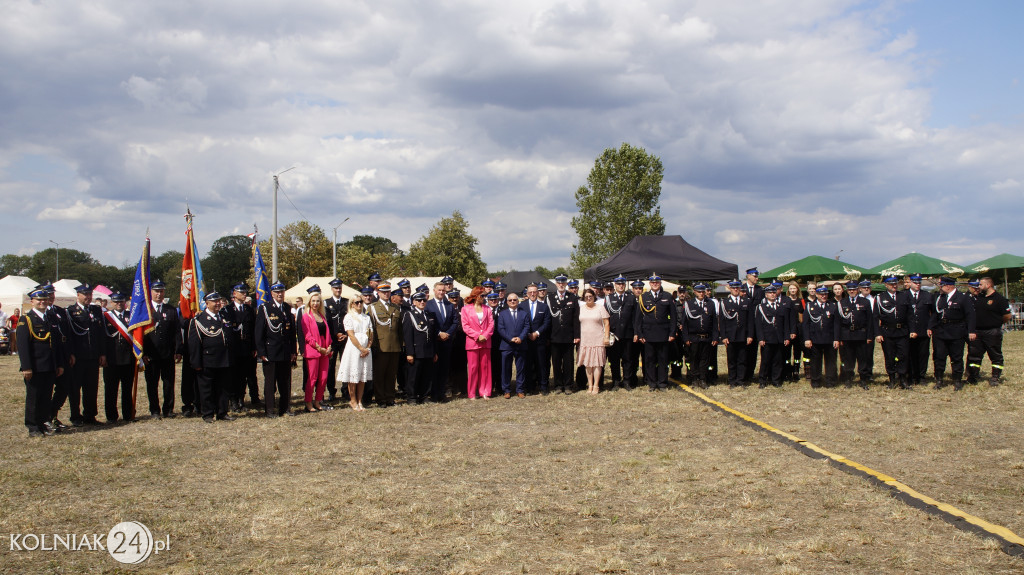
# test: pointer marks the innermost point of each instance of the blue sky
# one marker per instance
(786, 128)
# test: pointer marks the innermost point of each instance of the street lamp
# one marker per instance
(56, 272)
(336, 246)
(273, 250)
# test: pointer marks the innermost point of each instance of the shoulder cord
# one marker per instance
(415, 324)
(74, 325)
(270, 325)
(32, 331)
(608, 305)
(760, 308)
(654, 305)
(881, 306)
(725, 311)
(373, 310)
(810, 314)
(842, 310)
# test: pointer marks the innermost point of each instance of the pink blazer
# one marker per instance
(312, 333)
(474, 328)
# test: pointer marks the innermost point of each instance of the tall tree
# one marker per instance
(227, 263)
(448, 248)
(374, 245)
(303, 250)
(619, 202)
(14, 265)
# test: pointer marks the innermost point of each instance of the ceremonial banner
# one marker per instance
(191, 301)
(140, 308)
(262, 286)
(123, 330)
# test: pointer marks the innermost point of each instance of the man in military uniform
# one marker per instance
(856, 328)
(373, 282)
(918, 320)
(821, 337)
(335, 307)
(87, 339)
(656, 328)
(635, 349)
(42, 360)
(420, 331)
(275, 345)
(864, 287)
(161, 348)
(61, 328)
(405, 290)
(119, 373)
(991, 311)
(737, 331)
(772, 329)
(565, 333)
(952, 325)
(492, 306)
(756, 294)
(700, 332)
(243, 349)
(892, 310)
(386, 320)
(621, 307)
(210, 355)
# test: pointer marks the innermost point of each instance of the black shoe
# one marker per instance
(226, 417)
(170, 415)
(994, 381)
(77, 423)
(326, 407)
(544, 391)
(91, 421)
(56, 424)
(155, 415)
(761, 385)
(958, 385)
(36, 433)
(208, 419)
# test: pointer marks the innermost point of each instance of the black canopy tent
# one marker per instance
(516, 281)
(668, 256)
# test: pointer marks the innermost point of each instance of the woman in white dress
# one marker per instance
(356, 365)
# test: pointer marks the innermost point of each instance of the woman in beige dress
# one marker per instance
(594, 327)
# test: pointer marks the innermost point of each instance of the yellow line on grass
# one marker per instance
(998, 531)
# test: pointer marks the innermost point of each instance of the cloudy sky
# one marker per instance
(786, 128)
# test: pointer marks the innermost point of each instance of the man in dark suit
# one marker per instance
(656, 328)
(210, 354)
(335, 308)
(537, 341)
(772, 329)
(61, 328)
(856, 329)
(821, 336)
(736, 322)
(892, 309)
(447, 325)
(756, 294)
(243, 327)
(565, 334)
(918, 321)
(952, 325)
(42, 361)
(87, 338)
(620, 306)
(635, 349)
(121, 364)
(700, 332)
(275, 345)
(161, 348)
(513, 328)
(419, 329)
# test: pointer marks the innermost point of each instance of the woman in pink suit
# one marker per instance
(317, 350)
(478, 324)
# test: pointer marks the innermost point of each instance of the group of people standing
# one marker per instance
(420, 345)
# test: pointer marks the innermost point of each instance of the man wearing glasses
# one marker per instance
(513, 328)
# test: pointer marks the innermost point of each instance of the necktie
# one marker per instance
(533, 309)
(513, 316)
(440, 306)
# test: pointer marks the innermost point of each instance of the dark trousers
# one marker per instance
(536, 362)
(698, 360)
(419, 379)
(561, 364)
(990, 342)
(213, 388)
(750, 363)
(117, 377)
(618, 359)
(385, 373)
(917, 357)
(61, 390)
(736, 359)
(952, 349)
(277, 376)
(822, 353)
(895, 349)
(190, 400)
(244, 377)
(495, 370)
(439, 377)
(656, 358)
(771, 363)
(634, 351)
(507, 357)
(332, 373)
(84, 391)
(794, 356)
(38, 392)
(854, 353)
(157, 369)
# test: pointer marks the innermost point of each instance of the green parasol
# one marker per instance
(815, 267)
(915, 263)
(1003, 262)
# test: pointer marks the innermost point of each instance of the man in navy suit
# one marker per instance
(513, 329)
(447, 324)
(537, 340)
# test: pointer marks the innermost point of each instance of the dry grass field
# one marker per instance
(619, 483)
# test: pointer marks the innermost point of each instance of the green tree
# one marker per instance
(448, 248)
(550, 273)
(303, 250)
(74, 264)
(227, 263)
(167, 267)
(619, 202)
(374, 245)
(14, 265)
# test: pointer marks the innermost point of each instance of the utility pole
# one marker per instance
(273, 254)
(56, 272)
(336, 246)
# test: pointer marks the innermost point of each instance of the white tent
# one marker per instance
(66, 287)
(430, 281)
(299, 289)
(14, 292)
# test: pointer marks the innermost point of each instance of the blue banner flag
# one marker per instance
(262, 286)
(140, 308)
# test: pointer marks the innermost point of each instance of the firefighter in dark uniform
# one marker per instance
(635, 349)
(210, 353)
(919, 342)
(821, 337)
(43, 359)
(772, 330)
(88, 345)
(492, 305)
(58, 318)
(756, 295)
(119, 372)
(856, 329)
(335, 308)
(892, 312)
(736, 326)
(275, 346)
(700, 332)
(404, 289)
(161, 348)
(678, 351)
(991, 311)
(420, 330)
(242, 318)
(621, 307)
(952, 325)
(565, 333)
(656, 328)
